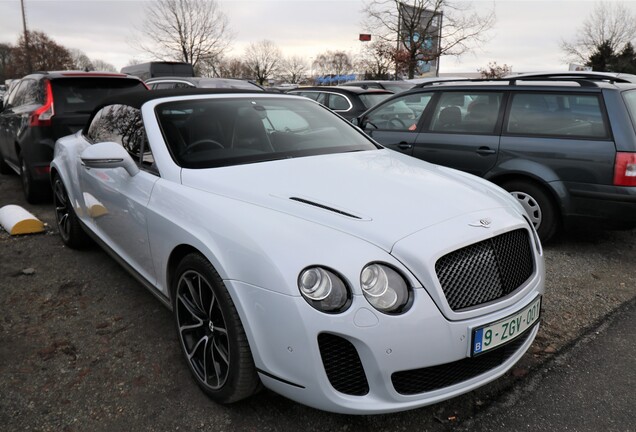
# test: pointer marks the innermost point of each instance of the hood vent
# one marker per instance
(324, 207)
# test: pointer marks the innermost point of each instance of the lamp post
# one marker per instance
(27, 50)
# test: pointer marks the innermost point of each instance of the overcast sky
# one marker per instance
(526, 35)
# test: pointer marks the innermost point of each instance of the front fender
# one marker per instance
(252, 244)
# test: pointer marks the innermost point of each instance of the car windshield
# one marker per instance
(216, 132)
(372, 99)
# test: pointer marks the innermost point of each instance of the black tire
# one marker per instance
(210, 332)
(34, 192)
(68, 225)
(540, 207)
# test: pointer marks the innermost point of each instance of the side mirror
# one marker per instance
(109, 155)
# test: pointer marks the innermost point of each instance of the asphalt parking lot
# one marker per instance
(84, 347)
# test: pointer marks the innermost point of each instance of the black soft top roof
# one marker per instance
(137, 98)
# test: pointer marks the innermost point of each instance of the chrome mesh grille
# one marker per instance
(487, 270)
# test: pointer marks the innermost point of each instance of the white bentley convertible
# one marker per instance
(297, 253)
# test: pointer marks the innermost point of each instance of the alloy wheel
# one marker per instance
(62, 210)
(202, 329)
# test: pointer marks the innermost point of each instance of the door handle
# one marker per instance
(405, 146)
(485, 151)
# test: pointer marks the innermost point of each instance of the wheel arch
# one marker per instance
(175, 257)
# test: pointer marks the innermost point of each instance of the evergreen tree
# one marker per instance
(603, 58)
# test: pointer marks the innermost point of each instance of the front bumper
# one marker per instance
(284, 334)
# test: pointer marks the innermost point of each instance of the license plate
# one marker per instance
(498, 333)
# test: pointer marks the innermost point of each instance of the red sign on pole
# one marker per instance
(365, 37)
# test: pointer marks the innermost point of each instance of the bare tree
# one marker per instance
(610, 23)
(186, 30)
(377, 60)
(45, 55)
(333, 63)
(101, 65)
(263, 59)
(294, 69)
(233, 68)
(80, 60)
(493, 70)
(6, 54)
(428, 29)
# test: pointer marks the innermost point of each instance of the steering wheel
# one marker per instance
(205, 143)
(396, 123)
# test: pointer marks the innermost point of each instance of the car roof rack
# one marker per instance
(583, 81)
(573, 76)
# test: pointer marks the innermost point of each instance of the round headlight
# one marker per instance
(323, 289)
(384, 288)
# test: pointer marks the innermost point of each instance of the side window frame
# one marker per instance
(336, 96)
(424, 118)
(500, 114)
(601, 104)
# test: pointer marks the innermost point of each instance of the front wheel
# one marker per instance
(538, 205)
(210, 332)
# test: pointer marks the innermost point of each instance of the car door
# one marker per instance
(14, 119)
(395, 122)
(115, 202)
(463, 131)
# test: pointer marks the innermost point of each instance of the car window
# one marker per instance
(10, 96)
(81, 95)
(122, 124)
(372, 99)
(214, 132)
(163, 85)
(554, 114)
(338, 102)
(310, 95)
(630, 100)
(26, 93)
(402, 113)
(466, 112)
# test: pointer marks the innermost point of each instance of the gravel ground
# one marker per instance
(85, 347)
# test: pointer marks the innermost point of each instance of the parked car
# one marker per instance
(44, 107)
(8, 87)
(296, 252)
(199, 82)
(564, 147)
(349, 102)
(148, 70)
(394, 86)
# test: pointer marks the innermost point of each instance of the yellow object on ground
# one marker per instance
(16, 220)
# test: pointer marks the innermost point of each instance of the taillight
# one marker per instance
(625, 169)
(42, 116)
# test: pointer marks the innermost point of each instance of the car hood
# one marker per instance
(379, 196)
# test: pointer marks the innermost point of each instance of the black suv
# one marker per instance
(563, 144)
(43, 107)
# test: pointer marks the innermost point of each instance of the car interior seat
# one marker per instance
(249, 131)
(449, 118)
